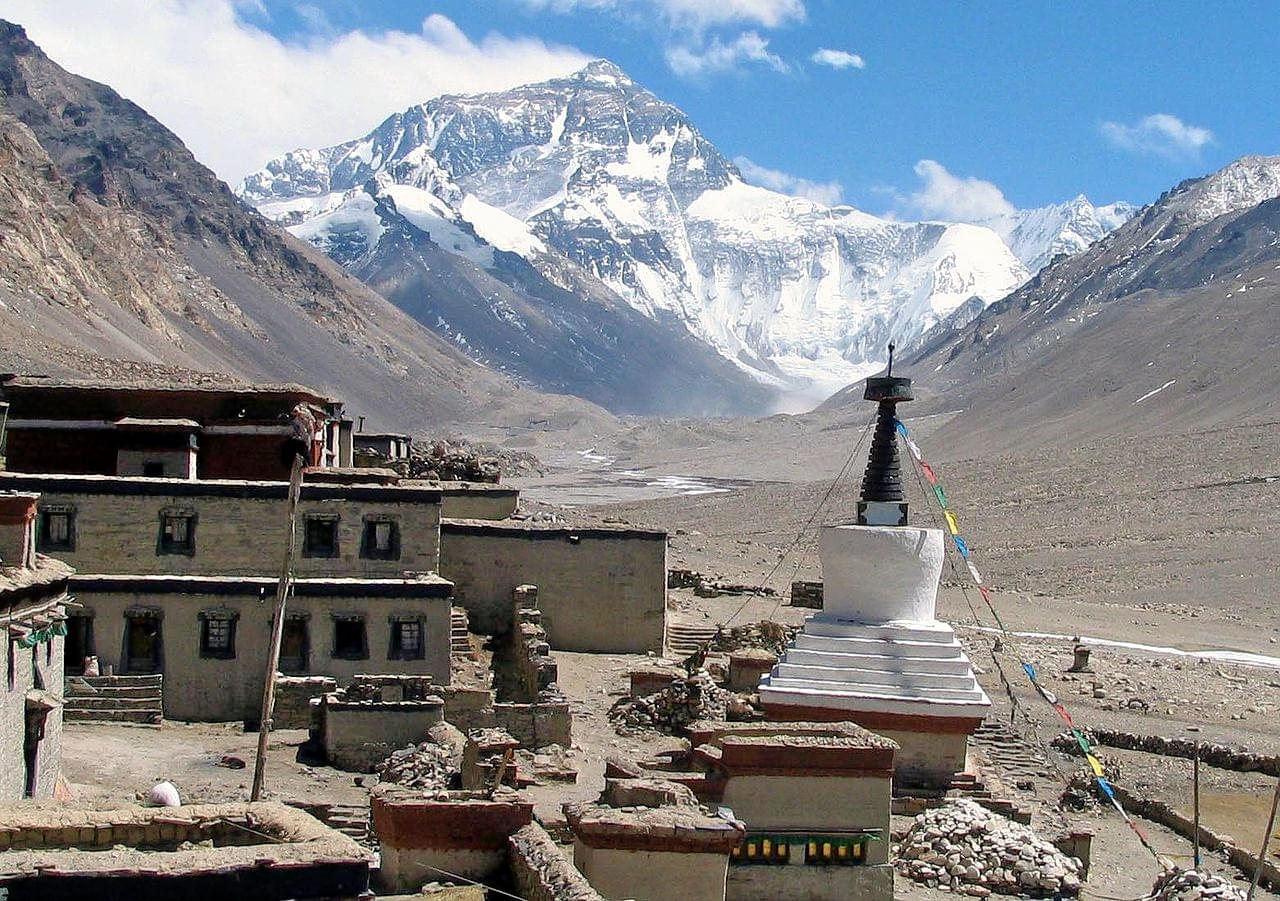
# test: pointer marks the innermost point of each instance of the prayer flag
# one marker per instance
(897, 424)
(915, 448)
(1095, 765)
(941, 496)
(928, 474)
(960, 545)
(1030, 671)
(973, 571)
(952, 523)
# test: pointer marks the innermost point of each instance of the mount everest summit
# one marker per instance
(559, 202)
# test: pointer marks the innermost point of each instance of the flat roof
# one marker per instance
(427, 586)
(23, 381)
(54, 483)
(16, 581)
(534, 530)
(464, 488)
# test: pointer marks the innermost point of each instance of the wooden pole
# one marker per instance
(1195, 803)
(1266, 844)
(277, 629)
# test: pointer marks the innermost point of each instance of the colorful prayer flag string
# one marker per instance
(953, 526)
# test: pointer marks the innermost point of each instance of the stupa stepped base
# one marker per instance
(909, 680)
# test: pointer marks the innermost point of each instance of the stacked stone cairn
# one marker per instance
(1193, 885)
(964, 848)
(429, 766)
(673, 708)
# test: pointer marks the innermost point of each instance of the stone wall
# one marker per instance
(239, 528)
(652, 875)
(534, 669)
(546, 722)
(806, 594)
(599, 589)
(293, 699)
(199, 687)
(40, 666)
(477, 500)
(540, 870)
(358, 735)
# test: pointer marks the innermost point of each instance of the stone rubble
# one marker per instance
(684, 701)
(1193, 885)
(427, 766)
(1222, 756)
(765, 635)
(964, 848)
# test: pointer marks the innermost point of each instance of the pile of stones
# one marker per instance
(1082, 790)
(766, 635)
(684, 701)
(962, 847)
(1193, 885)
(428, 766)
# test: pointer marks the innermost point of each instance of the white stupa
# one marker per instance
(877, 655)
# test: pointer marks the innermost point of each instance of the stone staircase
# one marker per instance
(685, 638)
(114, 699)
(459, 633)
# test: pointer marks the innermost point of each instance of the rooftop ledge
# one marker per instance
(535, 530)
(241, 488)
(428, 585)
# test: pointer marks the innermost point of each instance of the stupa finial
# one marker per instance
(883, 502)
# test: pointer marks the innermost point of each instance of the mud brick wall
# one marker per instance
(540, 870)
(476, 500)
(240, 527)
(806, 594)
(535, 725)
(599, 589)
(293, 699)
(199, 687)
(360, 735)
(38, 666)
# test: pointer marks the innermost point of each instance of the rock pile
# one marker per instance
(766, 635)
(1082, 789)
(684, 701)
(428, 766)
(458, 460)
(962, 847)
(1193, 885)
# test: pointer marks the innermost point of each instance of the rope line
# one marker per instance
(962, 548)
(804, 529)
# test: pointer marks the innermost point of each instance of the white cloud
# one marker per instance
(954, 199)
(827, 193)
(717, 56)
(238, 96)
(838, 59)
(694, 14)
(1160, 134)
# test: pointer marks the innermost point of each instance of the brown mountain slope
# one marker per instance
(116, 244)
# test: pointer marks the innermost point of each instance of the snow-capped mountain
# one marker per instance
(1037, 236)
(594, 170)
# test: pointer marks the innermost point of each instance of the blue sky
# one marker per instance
(1034, 101)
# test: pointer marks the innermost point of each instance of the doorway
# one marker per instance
(143, 643)
(79, 643)
(294, 646)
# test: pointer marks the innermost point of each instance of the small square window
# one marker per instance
(406, 640)
(57, 529)
(350, 640)
(218, 635)
(153, 469)
(177, 533)
(320, 536)
(381, 539)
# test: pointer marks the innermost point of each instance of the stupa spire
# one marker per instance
(883, 502)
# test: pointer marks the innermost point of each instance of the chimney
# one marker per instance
(17, 529)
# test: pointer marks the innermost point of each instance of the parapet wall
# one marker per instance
(293, 699)
(600, 589)
(540, 870)
(358, 735)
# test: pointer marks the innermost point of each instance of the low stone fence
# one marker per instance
(1221, 756)
(544, 722)
(293, 699)
(358, 735)
(535, 668)
(541, 871)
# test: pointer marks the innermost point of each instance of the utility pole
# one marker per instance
(277, 629)
(1195, 803)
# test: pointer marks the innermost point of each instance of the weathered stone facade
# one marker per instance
(236, 528)
(600, 588)
(201, 684)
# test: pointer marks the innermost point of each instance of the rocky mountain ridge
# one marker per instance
(122, 253)
(595, 170)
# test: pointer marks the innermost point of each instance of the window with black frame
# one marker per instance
(218, 634)
(407, 636)
(320, 536)
(350, 637)
(380, 539)
(177, 532)
(57, 528)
